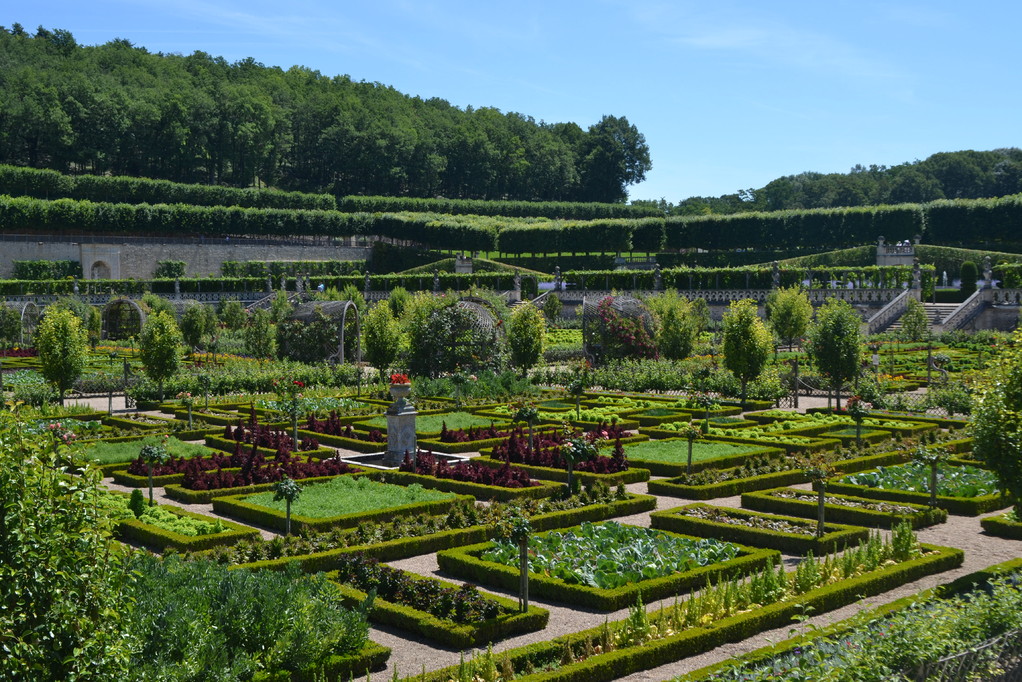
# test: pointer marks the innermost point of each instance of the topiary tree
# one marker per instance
(397, 300)
(818, 466)
(676, 326)
(691, 434)
(528, 413)
(287, 490)
(789, 313)
(914, 323)
(552, 307)
(153, 456)
(747, 343)
(933, 457)
(381, 336)
(62, 344)
(159, 348)
(64, 584)
(526, 332)
(969, 273)
(515, 526)
(835, 344)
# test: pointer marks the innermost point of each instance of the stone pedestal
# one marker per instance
(400, 426)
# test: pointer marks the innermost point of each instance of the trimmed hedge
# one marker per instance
(710, 491)
(1002, 527)
(372, 657)
(622, 662)
(836, 537)
(445, 632)
(221, 443)
(466, 563)
(235, 506)
(402, 548)
(767, 501)
(477, 490)
(161, 540)
(630, 475)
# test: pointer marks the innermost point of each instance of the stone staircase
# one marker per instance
(935, 312)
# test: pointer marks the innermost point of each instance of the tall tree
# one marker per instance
(526, 332)
(381, 334)
(62, 344)
(615, 155)
(835, 343)
(789, 313)
(159, 348)
(747, 343)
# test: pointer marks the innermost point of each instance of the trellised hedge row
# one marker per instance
(48, 184)
(517, 209)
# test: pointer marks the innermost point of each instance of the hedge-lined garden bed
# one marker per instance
(857, 511)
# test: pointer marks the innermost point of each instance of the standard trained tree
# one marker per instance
(381, 334)
(62, 344)
(747, 343)
(997, 420)
(676, 324)
(159, 348)
(525, 336)
(914, 323)
(834, 343)
(789, 313)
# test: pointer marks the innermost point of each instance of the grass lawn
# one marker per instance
(432, 423)
(346, 495)
(114, 453)
(676, 451)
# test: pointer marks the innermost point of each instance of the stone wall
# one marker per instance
(127, 261)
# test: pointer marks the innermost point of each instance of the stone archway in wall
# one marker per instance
(99, 270)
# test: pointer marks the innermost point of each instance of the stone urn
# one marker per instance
(400, 391)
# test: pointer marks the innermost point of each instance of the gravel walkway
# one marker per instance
(411, 654)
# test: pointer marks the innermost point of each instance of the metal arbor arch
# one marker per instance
(122, 317)
(595, 335)
(340, 311)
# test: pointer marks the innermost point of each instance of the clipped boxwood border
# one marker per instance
(372, 657)
(465, 562)
(177, 491)
(235, 507)
(837, 536)
(709, 491)
(1002, 527)
(767, 501)
(961, 506)
(446, 632)
(122, 477)
(402, 548)
(630, 475)
(726, 462)
(161, 540)
(694, 641)
(477, 490)
(225, 445)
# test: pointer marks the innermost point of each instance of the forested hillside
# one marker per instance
(945, 175)
(118, 109)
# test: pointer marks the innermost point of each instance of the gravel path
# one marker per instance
(411, 654)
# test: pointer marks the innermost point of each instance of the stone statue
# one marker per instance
(557, 278)
(368, 281)
(658, 279)
(75, 286)
(776, 275)
(917, 275)
(436, 280)
(988, 273)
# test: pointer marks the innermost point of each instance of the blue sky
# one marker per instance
(730, 94)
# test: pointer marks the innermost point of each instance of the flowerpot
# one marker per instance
(400, 391)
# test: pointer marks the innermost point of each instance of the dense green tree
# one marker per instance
(233, 314)
(61, 340)
(789, 313)
(259, 336)
(198, 323)
(747, 343)
(914, 323)
(10, 326)
(526, 332)
(676, 325)
(997, 420)
(159, 348)
(381, 335)
(63, 582)
(834, 343)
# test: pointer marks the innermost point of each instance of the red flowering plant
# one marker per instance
(624, 336)
(400, 379)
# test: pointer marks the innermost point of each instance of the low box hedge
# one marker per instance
(226, 445)
(436, 445)
(465, 562)
(673, 469)
(630, 475)
(122, 477)
(126, 423)
(160, 539)
(402, 548)
(672, 488)
(836, 536)
(961, 506)
(768, 501)
(445, 632)
(371, 658)
(235, 507)
(354, 444)
(693, 641)
(1002, 527)
(177, 491)
(868, 435)
(477, 490)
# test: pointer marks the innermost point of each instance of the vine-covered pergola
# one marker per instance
(122, 318)
(612, 323)
(344, 316)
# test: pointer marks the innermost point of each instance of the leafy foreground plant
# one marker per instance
(893, 648)
(609, 555)
(199, 620)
